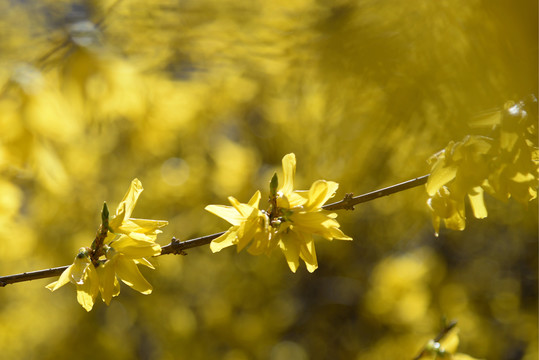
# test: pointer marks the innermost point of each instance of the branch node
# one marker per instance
(347, 201)
(176, 247)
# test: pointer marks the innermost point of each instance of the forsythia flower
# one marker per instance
(458, 171)
(122, 258)
(129, 242)
(504, 166)
(445, 348)
(303, 216)
(83, 274)
(248, 223)
(294, 216)
(516, 156)
(137, 229)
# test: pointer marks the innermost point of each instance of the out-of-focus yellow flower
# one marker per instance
(458, 171)
(445, 348)
(129, 242)
(399, 290)
(83, 274)
(504, 166)
(445, 207)
(516, 156)
(293, 217)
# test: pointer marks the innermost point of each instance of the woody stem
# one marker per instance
(178, 247)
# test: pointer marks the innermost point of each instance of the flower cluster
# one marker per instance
(504, 165)
(126, 243)
(290, 222)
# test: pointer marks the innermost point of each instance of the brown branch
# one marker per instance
(32, 275)
(178, 247)
(349, 201)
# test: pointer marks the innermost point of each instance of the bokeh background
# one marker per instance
(200, 100)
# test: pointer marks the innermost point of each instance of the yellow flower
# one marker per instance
(515, 159)
(504, 166)
(83, 274)
(445, 207)
(293, 217)
(122, 223)
(122, 258)
(128, 243)
(286, 196)
(295, 233)
(458, 171)
(248, 224)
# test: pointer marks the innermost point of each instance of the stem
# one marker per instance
(178, 247)
(348, 202)
(32, 275)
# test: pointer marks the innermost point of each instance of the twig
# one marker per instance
(32, 275)
(178, 247)
(41, 60)
(447, 328)
(349, 201)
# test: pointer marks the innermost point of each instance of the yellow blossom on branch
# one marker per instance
(504, 165)
(122, 223)
(83, 274)
(127, 242)
(122, 259)
(458, 171)
(290, 222)
(248, 224)
(295, 233)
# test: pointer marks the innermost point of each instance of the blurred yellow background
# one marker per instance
(200, 100)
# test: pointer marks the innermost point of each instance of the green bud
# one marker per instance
(273, 185)
(105, 214)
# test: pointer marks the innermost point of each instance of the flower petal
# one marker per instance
(107, 278)
(255, 200)
(289, 171)
(225, 240)
(145, 262)
(319, 193)
(142, 226)
(308, 253)
(478, 204)
(62, 280)
(135, 249)
(126, 206)
(88, 289)
(440, 176)
(290, 247)
(228, 213)
(80, 265)
(129, 273)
